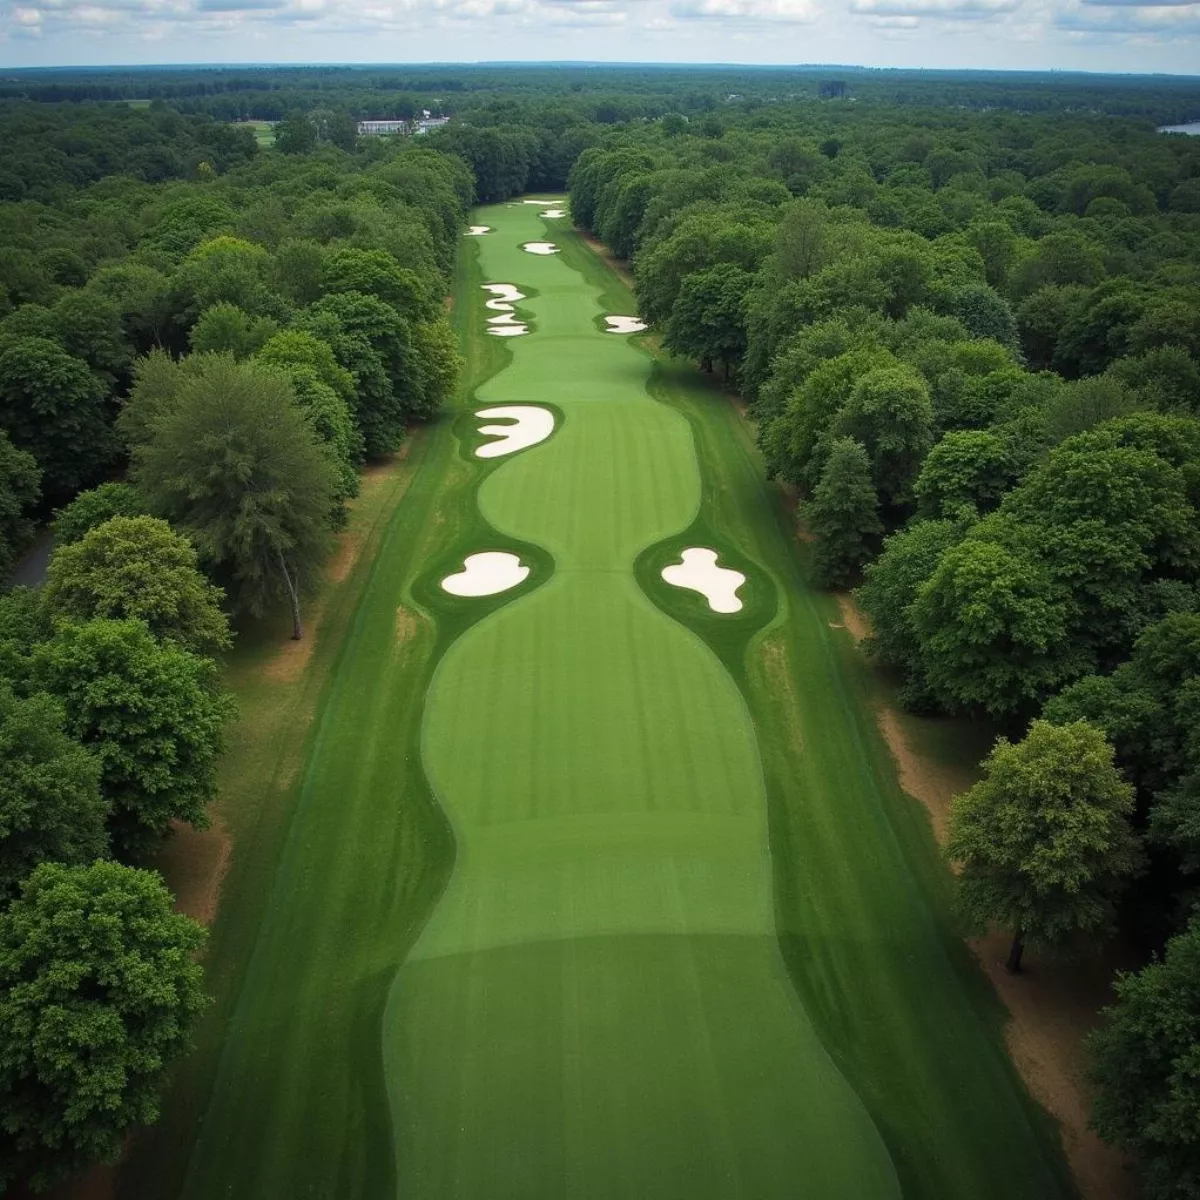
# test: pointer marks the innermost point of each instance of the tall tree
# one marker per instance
(843, 515)
(52, 406)
(891, 414)
(150, 711)
(138, 567)
(1043, 839)
(708, 319)
(1147, 1070)
(20, 479)
(237, 467)
(50, 802)
(94, 507)
(99, 992)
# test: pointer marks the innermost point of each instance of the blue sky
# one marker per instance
(1097, 35)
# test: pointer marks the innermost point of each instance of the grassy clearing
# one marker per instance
(264, 131)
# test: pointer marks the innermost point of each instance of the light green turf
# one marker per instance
(648, 804)
(598, 1006)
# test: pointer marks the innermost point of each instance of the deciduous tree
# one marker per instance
(1147, 1070)
(1043, 839)
(843, 515)
(237, 467)
(99, 992)
(138, 567)
(150, 711)
(50, 801)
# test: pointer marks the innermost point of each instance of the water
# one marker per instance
(1193, 128)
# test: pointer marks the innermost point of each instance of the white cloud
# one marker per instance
(798, 12)
(1155, 21)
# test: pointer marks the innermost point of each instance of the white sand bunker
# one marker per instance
(624, 324)
(552, 213)
(698, 571)
(504, 296)
(540, 248)
(486, 574)
(476, 230)
(543, 203)
(530, 426)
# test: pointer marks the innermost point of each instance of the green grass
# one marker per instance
(669, 927)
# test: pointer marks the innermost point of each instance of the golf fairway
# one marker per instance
(585, 891)
(598, 1006)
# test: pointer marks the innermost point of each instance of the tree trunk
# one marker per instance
(1013, 964)
(294, 596)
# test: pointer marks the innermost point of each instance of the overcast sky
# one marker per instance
(1097, 35)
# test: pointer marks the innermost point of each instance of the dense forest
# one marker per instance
(964, 310)
(201, 347)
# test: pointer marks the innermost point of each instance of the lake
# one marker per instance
(1193, 128)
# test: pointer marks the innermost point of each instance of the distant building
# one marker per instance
(376, 128)
(426, 123)
(422, 124)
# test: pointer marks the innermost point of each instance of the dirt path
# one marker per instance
(1052, 1004)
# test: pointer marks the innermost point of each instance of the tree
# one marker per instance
(150, 711)
(225, 329)
(993, 627)
(890, 413)
(436, 345)
(295, 348)
(237, 467)
(99, 992)
(1145, 1069)
(1043, 839)
(20, 478)
(843, 515)
(708, 320)
(890, 587)
(225, 270)
(50, 802)
(375, 344)
(295, 135)
(970, 468)
(377, 273)
(94, 507)
(52, 406)
(984, 312)
(138, 567)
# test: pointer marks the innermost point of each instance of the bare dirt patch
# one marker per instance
(1054, 1005)
(407, 624)
(196, 861)
(852, 617)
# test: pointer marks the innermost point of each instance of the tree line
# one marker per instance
(194, 372)
(971, 349)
